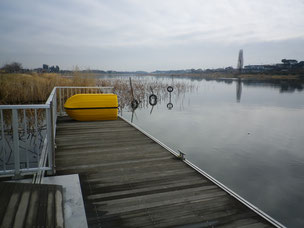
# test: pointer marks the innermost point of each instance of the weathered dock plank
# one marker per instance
(128, 180)
(29, 205)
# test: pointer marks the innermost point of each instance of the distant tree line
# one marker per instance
(13, 67)
(16, 67)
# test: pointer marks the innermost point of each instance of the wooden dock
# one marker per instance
(128, 180)
(30, 205)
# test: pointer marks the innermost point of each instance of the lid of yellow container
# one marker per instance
(91, 101)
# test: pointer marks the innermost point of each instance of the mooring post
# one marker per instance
(181, 155)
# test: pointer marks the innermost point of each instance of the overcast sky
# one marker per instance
(150, 34)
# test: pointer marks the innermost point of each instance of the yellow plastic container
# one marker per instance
(90, 107)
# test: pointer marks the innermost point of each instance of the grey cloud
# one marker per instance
(103, 29)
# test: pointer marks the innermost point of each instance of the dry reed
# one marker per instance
(35, 88)
(142, 90)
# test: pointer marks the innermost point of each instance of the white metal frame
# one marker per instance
(52, 107)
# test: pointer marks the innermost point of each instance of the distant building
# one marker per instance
(301, 64)
(240, 62)
(45, 67)
(270, 67)
(254, 68)
(52, 69)
(38, 70)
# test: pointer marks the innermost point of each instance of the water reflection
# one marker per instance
(170, 90)
(266, 167)
(290, 87)
(152, 100)
(238, 89)
(31, 134)
(133, 114)
(284, 86)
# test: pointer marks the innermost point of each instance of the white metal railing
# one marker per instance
(24, 124)
(64, 92)
(28, 132)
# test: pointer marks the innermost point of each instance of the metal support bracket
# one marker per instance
(181, 155)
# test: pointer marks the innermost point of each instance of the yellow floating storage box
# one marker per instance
(90, 107)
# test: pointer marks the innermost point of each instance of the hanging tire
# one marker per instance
(134, 104)
(152, 99)
(170, 89)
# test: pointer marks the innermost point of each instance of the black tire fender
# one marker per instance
(170, 89)
(134, 104)
(152, 99)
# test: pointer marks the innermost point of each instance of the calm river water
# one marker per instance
(248, 135)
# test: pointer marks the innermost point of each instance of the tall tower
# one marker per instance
(240, 62)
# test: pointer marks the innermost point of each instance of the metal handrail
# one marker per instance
(52, 107)
(50, 98)
(29, 106)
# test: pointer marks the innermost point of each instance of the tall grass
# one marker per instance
(35, 88)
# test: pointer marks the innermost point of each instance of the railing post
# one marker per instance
(2, 137)
(16, 143)
(53, 128)
(50, 136)
(54, 116)
(60, 102)
(26, 145)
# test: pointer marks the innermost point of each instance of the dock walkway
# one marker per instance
(128, 180)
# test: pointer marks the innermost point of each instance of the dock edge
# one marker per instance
(212, 179)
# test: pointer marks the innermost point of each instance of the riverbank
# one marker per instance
(219, 75)
(18, 88)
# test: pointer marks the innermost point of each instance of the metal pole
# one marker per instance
(16, 142)
(26, 144)
(2, 137)
(60, 102)
(36, 138)
(54, 112)
(49, 135)
(63, 100)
